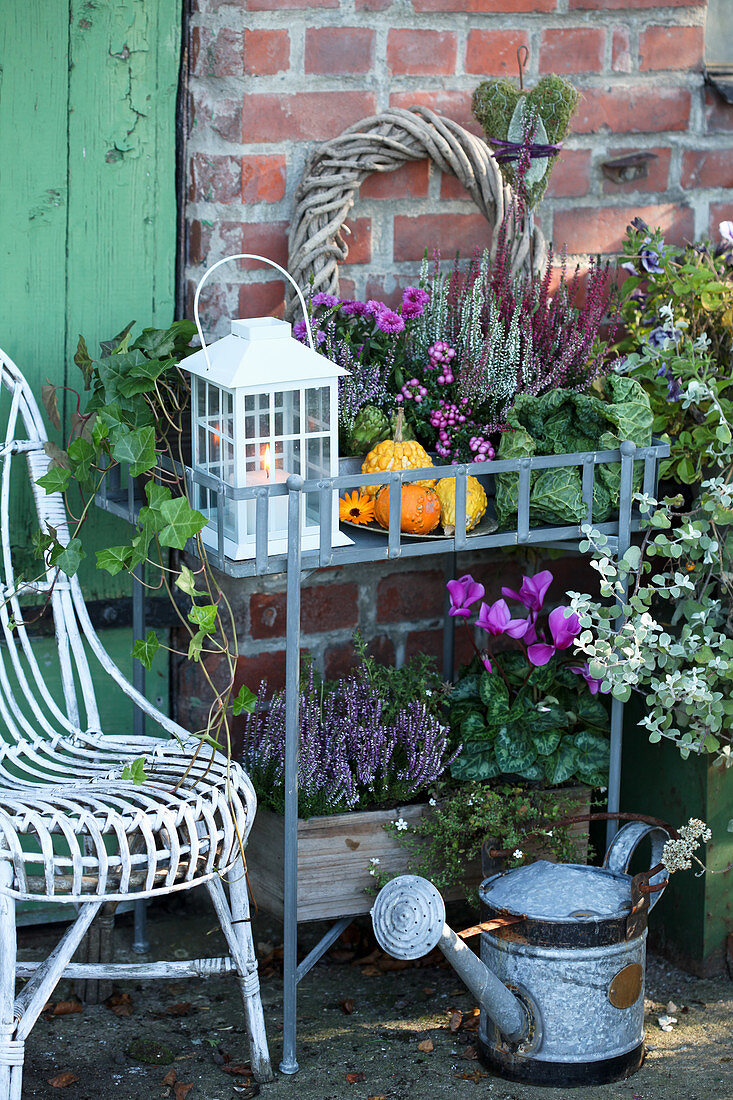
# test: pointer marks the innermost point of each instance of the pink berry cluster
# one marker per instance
(441, 356)
(446, 418)
(483, 451)
(411, 391)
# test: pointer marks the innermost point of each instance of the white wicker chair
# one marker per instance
(71, 830)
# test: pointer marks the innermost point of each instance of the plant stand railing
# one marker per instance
(121, 499)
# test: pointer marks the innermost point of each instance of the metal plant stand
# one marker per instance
(371, 547)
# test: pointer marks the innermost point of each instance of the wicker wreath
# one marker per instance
(335, 171)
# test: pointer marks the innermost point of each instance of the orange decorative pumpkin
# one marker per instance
(420, 509)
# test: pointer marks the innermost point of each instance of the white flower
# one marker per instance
(373, 868)
(726, 231)
(517, 854)
(432, 802)
(401, 825)
(375, 862)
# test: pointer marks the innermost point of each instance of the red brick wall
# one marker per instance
(271, 78)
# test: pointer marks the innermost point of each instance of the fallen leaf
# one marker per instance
(241, 1069)
(426, 1046)
(182, 1009)
(470, 1053)
(428, 990)
(380, 1097)
(63, 1080)
(248, 1092)
(170, 1077)
(341, 955)
(66, 1008)
(120, 1004)
(347, 1006)
(353, 1078)
(370, 972)
(471, 1020)
(181, 1091)
(475, 1076)
(666, 1023)
(456, 1019)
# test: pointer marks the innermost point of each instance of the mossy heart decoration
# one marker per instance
(502, 109)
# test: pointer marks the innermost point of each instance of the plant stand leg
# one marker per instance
(97, 947)
(236, 925)
(11, 1051)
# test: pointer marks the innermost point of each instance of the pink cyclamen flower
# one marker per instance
(485, 661)
(564, 631)
(464, 592)
(389, 321)
(533, 590)
(497, 619)
(594, 684)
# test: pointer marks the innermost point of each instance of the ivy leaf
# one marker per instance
(144, 650)
(204, 617)
(110, 346)
(141, 377)
(138, 449)
(135, 772)
(84, 362)
(182, 523)
(68, 558)
(56, 480)
(195, 646)
(114, 559)
(245, 701)
(50, 400)
(187, 583)
(81, 455)
(157, 494)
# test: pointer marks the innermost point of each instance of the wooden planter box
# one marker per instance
(333, 858)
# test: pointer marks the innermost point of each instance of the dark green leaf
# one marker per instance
(110, 346)
(473, 727)
(245, 702)
(182, 523)
(56, 480)
(84, 362)
(114, 559)
(560, 766)
(546, 742)
(81, 455)
(144, 650)
(514, 751)
(138, 449)
(466, 689)
(204, 617)
(68, 558)
(593, 754)
(476, 761)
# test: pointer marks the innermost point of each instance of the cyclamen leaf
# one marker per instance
(246, 701)
(547, 742)
(138, 449)
(473, 727)
(560, 765)
(513, 752)
(182, 523)
(204, 616)
(476, 761)
(144, 650)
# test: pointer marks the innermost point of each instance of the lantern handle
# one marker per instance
(264, 260)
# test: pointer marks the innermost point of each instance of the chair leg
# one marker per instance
(237, 928)
(11, 1051)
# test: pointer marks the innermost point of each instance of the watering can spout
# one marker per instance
(409, 921)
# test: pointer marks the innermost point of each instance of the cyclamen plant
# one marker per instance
(528, 713)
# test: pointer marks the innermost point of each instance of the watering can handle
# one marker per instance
(625, 843)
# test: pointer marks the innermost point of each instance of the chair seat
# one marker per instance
(85, 832)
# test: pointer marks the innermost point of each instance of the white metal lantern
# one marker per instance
(263, 407)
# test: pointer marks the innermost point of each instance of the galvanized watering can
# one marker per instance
(560, 980)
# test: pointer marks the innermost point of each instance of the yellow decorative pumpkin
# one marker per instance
(420, 511)
(475, 502)
(396, 454)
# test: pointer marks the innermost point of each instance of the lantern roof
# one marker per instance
(259, 350)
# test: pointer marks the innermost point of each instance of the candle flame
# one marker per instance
(267, 460)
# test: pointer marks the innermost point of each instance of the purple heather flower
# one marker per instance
(533, 590)
(388, 321)
(726, 231)
(463, 593)
(322, 299)
(594, 685)
(414, 300)
(497, 619)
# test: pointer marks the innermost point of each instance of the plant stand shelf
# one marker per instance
(120, 498)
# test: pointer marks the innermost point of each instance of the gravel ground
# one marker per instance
(365, 1033)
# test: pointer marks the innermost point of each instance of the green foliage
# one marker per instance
(524, 823)
(135, 772)
(144, 650)
(554, 730)
(418, 678)
(565, 422)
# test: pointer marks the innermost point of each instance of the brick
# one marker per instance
(410, 181)
(305, 116)
(262, 299)
(621, 60)
(719, 212)
(421, 53)
(224, 118)
(324, 607)
(707, 168)
(592, 230)
(215, 178)
(572, 50)
(266, 52)
(635, 110)
(263, 238)
(615, 5)
(450, 233)
(347, 287)
(263, 178)
(494, 53)
(485, 6)
(671, 48)
(253, 668)
(217, 54)
(407, 596)
(430, 642)
(571, 175)
(340, 660)
(339, 50)
(455, 105)
(718, 112)
(359, 241)
(657, 176)
(376, 287)
(451, 188)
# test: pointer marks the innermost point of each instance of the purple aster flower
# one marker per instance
(674, 389)
(388, 321)
(463, 593)
(640, 225)
(497, 619)
(322, 299)
(353, 308)
(533, 590)
(414, 300)
(372, 308)
(726, 231)
(594, 685)
(300, 331)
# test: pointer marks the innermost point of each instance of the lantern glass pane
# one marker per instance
(263, 419)
(201, 456)
(318, 407)
(228, 467)
(287, 412)
(318, 464)
(214, 405)
(251, 457)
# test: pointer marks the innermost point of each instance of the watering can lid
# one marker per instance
(559, 891)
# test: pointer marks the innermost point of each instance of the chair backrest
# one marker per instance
(28, 710)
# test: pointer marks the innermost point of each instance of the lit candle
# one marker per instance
(278, 513)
